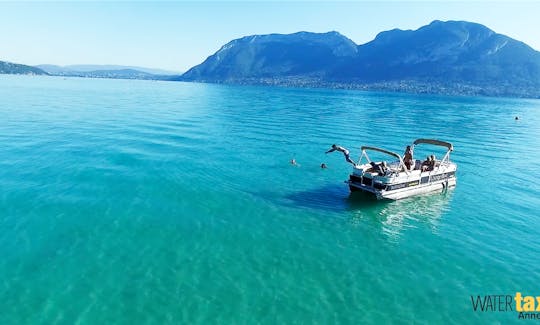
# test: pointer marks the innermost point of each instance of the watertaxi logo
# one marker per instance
(528, 307)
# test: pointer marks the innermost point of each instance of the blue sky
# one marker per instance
(176, 35)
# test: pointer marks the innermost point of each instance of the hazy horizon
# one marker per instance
(175, 36)
(90, 67)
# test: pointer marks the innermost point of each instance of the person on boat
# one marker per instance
(345, 152)
(432, 162)
(384, 167)
(381, 168)
(426, 164)
(408, 158)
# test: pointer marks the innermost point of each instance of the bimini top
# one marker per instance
(435, 142)
(381, 150)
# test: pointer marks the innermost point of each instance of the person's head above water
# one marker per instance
(334, 146)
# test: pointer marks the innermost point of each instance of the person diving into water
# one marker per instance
(344, 151)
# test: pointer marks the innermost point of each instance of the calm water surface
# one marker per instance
(159, 202)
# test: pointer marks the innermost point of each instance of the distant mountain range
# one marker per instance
(93, 67)
(14, 68)
(88, 71)
(453, 57)
(107, 71)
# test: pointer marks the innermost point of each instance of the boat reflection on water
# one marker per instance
(363, 210)
(394, 217)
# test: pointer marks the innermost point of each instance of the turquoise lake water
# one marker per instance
(165, 202)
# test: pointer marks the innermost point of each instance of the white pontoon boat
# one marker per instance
(394, 181)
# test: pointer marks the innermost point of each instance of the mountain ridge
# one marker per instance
(81, 68)
(107, 71)
(453, 57)
(15, 68)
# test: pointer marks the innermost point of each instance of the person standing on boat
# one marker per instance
(345, 152)
(432, 162)
(408, 158)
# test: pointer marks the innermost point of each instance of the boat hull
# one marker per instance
(395, 188)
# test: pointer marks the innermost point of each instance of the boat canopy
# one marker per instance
(382, 150)
(448, 145)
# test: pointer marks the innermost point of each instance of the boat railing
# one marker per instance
(445, 161)
(396, 166)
